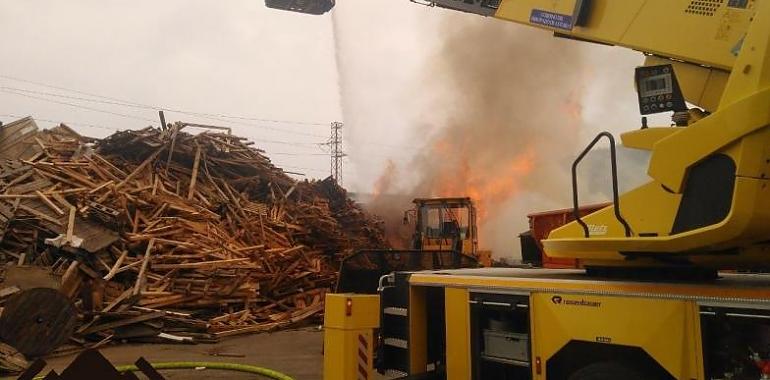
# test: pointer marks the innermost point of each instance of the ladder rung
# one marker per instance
(399, 311)
(395, 342)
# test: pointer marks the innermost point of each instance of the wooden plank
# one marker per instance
(102, 186)
(138, 169)
(130, 266)
(168, 313)
(49, 203)
(11, 359)
(143, 270)
(116, 266)
(177, 127)
(8, 291)
(108, 164)
(202, 264)
(264, 327)
(114, 303)
(71, 279)
(40, 215)
(71, 225)
(59, 198)
(194, 178)
(124, 322)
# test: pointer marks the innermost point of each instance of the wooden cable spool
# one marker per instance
(37, 321)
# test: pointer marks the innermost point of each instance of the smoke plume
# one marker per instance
(508, 101)
(492, 110)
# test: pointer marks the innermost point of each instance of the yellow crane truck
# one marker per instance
(654, 300)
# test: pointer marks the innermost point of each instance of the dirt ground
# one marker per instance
(296, 353)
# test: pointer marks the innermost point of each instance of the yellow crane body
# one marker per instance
(461, 325)
(707, 203)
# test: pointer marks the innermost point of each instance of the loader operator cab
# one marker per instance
(438, 222)
(444, 224)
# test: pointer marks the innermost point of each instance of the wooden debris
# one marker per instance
(12, 360)
(185, 238)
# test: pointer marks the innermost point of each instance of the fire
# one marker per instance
(494, 125)
(386, 179)
(487, 186)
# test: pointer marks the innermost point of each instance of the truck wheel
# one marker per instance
(607, 371)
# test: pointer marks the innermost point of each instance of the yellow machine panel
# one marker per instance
(349, 323)
(418, 323)
(458, 337)
(652, 329)
(662, 328)
(682, 29)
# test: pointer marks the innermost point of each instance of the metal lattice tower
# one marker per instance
(337, 153)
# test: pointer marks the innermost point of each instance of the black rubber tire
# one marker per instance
(607, 371)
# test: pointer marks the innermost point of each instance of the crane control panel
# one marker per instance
(658, 90)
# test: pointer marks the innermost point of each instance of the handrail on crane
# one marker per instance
(615, 195)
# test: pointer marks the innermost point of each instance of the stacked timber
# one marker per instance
(157, 235)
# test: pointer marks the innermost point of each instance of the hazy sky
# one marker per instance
(234, 57)
(275, 71)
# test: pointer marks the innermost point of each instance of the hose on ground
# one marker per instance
(212, 365)
(272, 374)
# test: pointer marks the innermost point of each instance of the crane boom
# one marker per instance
(707, 33)
(701, 38)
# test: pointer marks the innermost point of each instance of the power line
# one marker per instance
(288, 143)
(296, 154)
(113, 129)
(22, 92)
(117, 103)
(64, 122)
(154, 107)
(399, 147)
(125, 103)
(79, 106)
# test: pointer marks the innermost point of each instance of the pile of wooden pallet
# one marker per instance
(161, 235)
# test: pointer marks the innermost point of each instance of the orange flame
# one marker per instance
(386, 179)
(485, 186)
